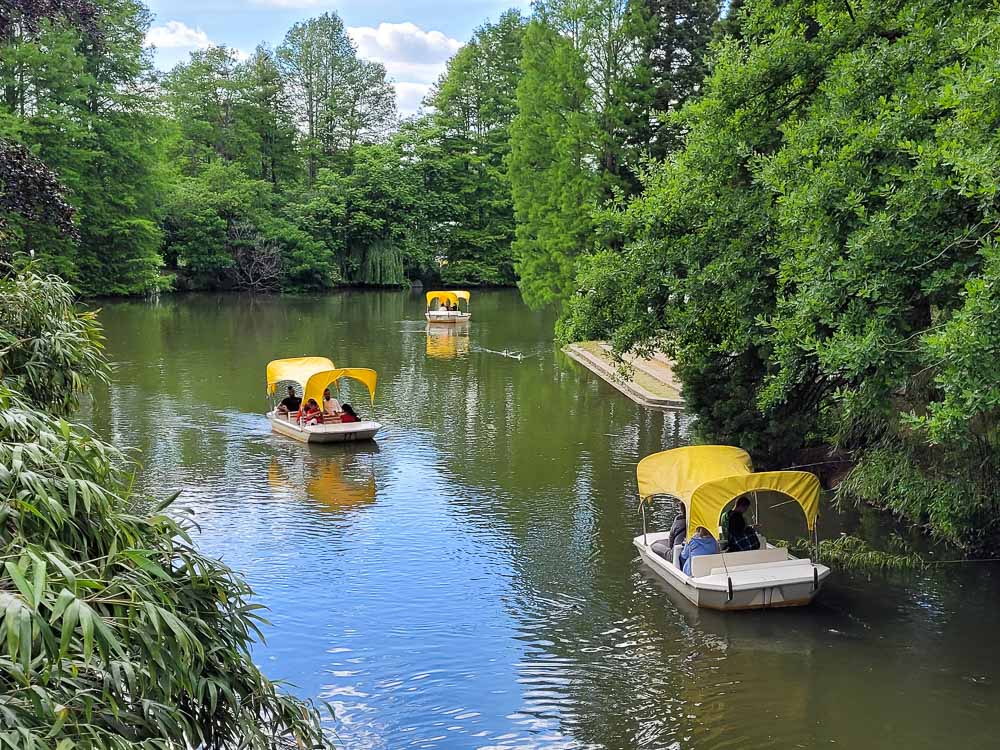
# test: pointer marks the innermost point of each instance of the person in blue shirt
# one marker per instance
(702, 543)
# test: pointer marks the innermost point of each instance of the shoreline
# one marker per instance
(652, 384)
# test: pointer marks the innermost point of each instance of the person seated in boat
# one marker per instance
(665, 547)
(702, 543)
(740, 536)
(311, 414)
(332, 409)
(349, 414)
(290, 404)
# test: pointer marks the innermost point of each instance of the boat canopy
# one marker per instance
(706, 478)
(450, 297)
(297, 370)
(320, 381)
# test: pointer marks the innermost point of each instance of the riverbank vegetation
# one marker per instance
(116, 632)
(287, 170)
(820, 256)
(797, 201)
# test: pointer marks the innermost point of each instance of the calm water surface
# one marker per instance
(469, 581)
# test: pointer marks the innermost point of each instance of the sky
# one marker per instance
(412, 39)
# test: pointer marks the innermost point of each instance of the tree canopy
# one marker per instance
(820, 257)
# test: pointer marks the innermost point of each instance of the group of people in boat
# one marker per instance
(449, 307)
(738, 535)
(331, 412)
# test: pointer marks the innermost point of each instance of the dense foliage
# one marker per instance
(116, 631)
(226, 173)
(601, 81)
(821, 256)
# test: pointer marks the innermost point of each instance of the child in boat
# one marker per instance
(702, 543)
(311, 414)
(349, 414)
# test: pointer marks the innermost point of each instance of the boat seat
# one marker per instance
(704, 564)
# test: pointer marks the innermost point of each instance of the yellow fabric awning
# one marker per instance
(710, 499)
(679, 472)
(320, 381)
(449, 297)
(297, 370)
(706, 478)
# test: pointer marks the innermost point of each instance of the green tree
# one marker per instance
(79, 97)
(552, 174)
(674, 36)
(819, 257)
(341, 100)
(468, 141)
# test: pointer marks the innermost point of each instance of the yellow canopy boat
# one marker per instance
(705, 479)
(312, 376)
(445, 307)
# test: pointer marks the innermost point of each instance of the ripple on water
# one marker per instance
(467, 582)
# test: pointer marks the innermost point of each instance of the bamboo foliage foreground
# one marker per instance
(115, 631)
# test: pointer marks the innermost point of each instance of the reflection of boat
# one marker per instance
(438, 304)
(447, 341)
(337, 480)
(705, 479)
(313, 375)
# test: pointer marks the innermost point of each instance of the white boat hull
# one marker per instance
(446, 316)
(791, 583)
(325, 433)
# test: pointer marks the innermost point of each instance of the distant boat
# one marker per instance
(313, 375)
(440, 310)
(705, 479)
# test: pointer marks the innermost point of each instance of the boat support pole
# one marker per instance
(816, 538)
(642, 510)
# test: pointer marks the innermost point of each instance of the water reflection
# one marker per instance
(338, 477)
(447, 340)
(470, 582)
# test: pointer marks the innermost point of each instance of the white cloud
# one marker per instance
(177, 35)
(403, 42)
(409, 97)
(414, 58)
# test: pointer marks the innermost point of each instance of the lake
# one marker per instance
(468, 581)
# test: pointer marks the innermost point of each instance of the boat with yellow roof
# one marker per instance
(309, 377)
(705, 479)
(445, 306)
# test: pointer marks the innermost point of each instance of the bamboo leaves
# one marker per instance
(115, 632)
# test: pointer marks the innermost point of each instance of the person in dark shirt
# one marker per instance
(291, 403)
(677, 533)
(741, 536)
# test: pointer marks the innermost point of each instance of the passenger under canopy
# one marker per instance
(320, 381)
(295, 369)
(706, 478)
(450, 298)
